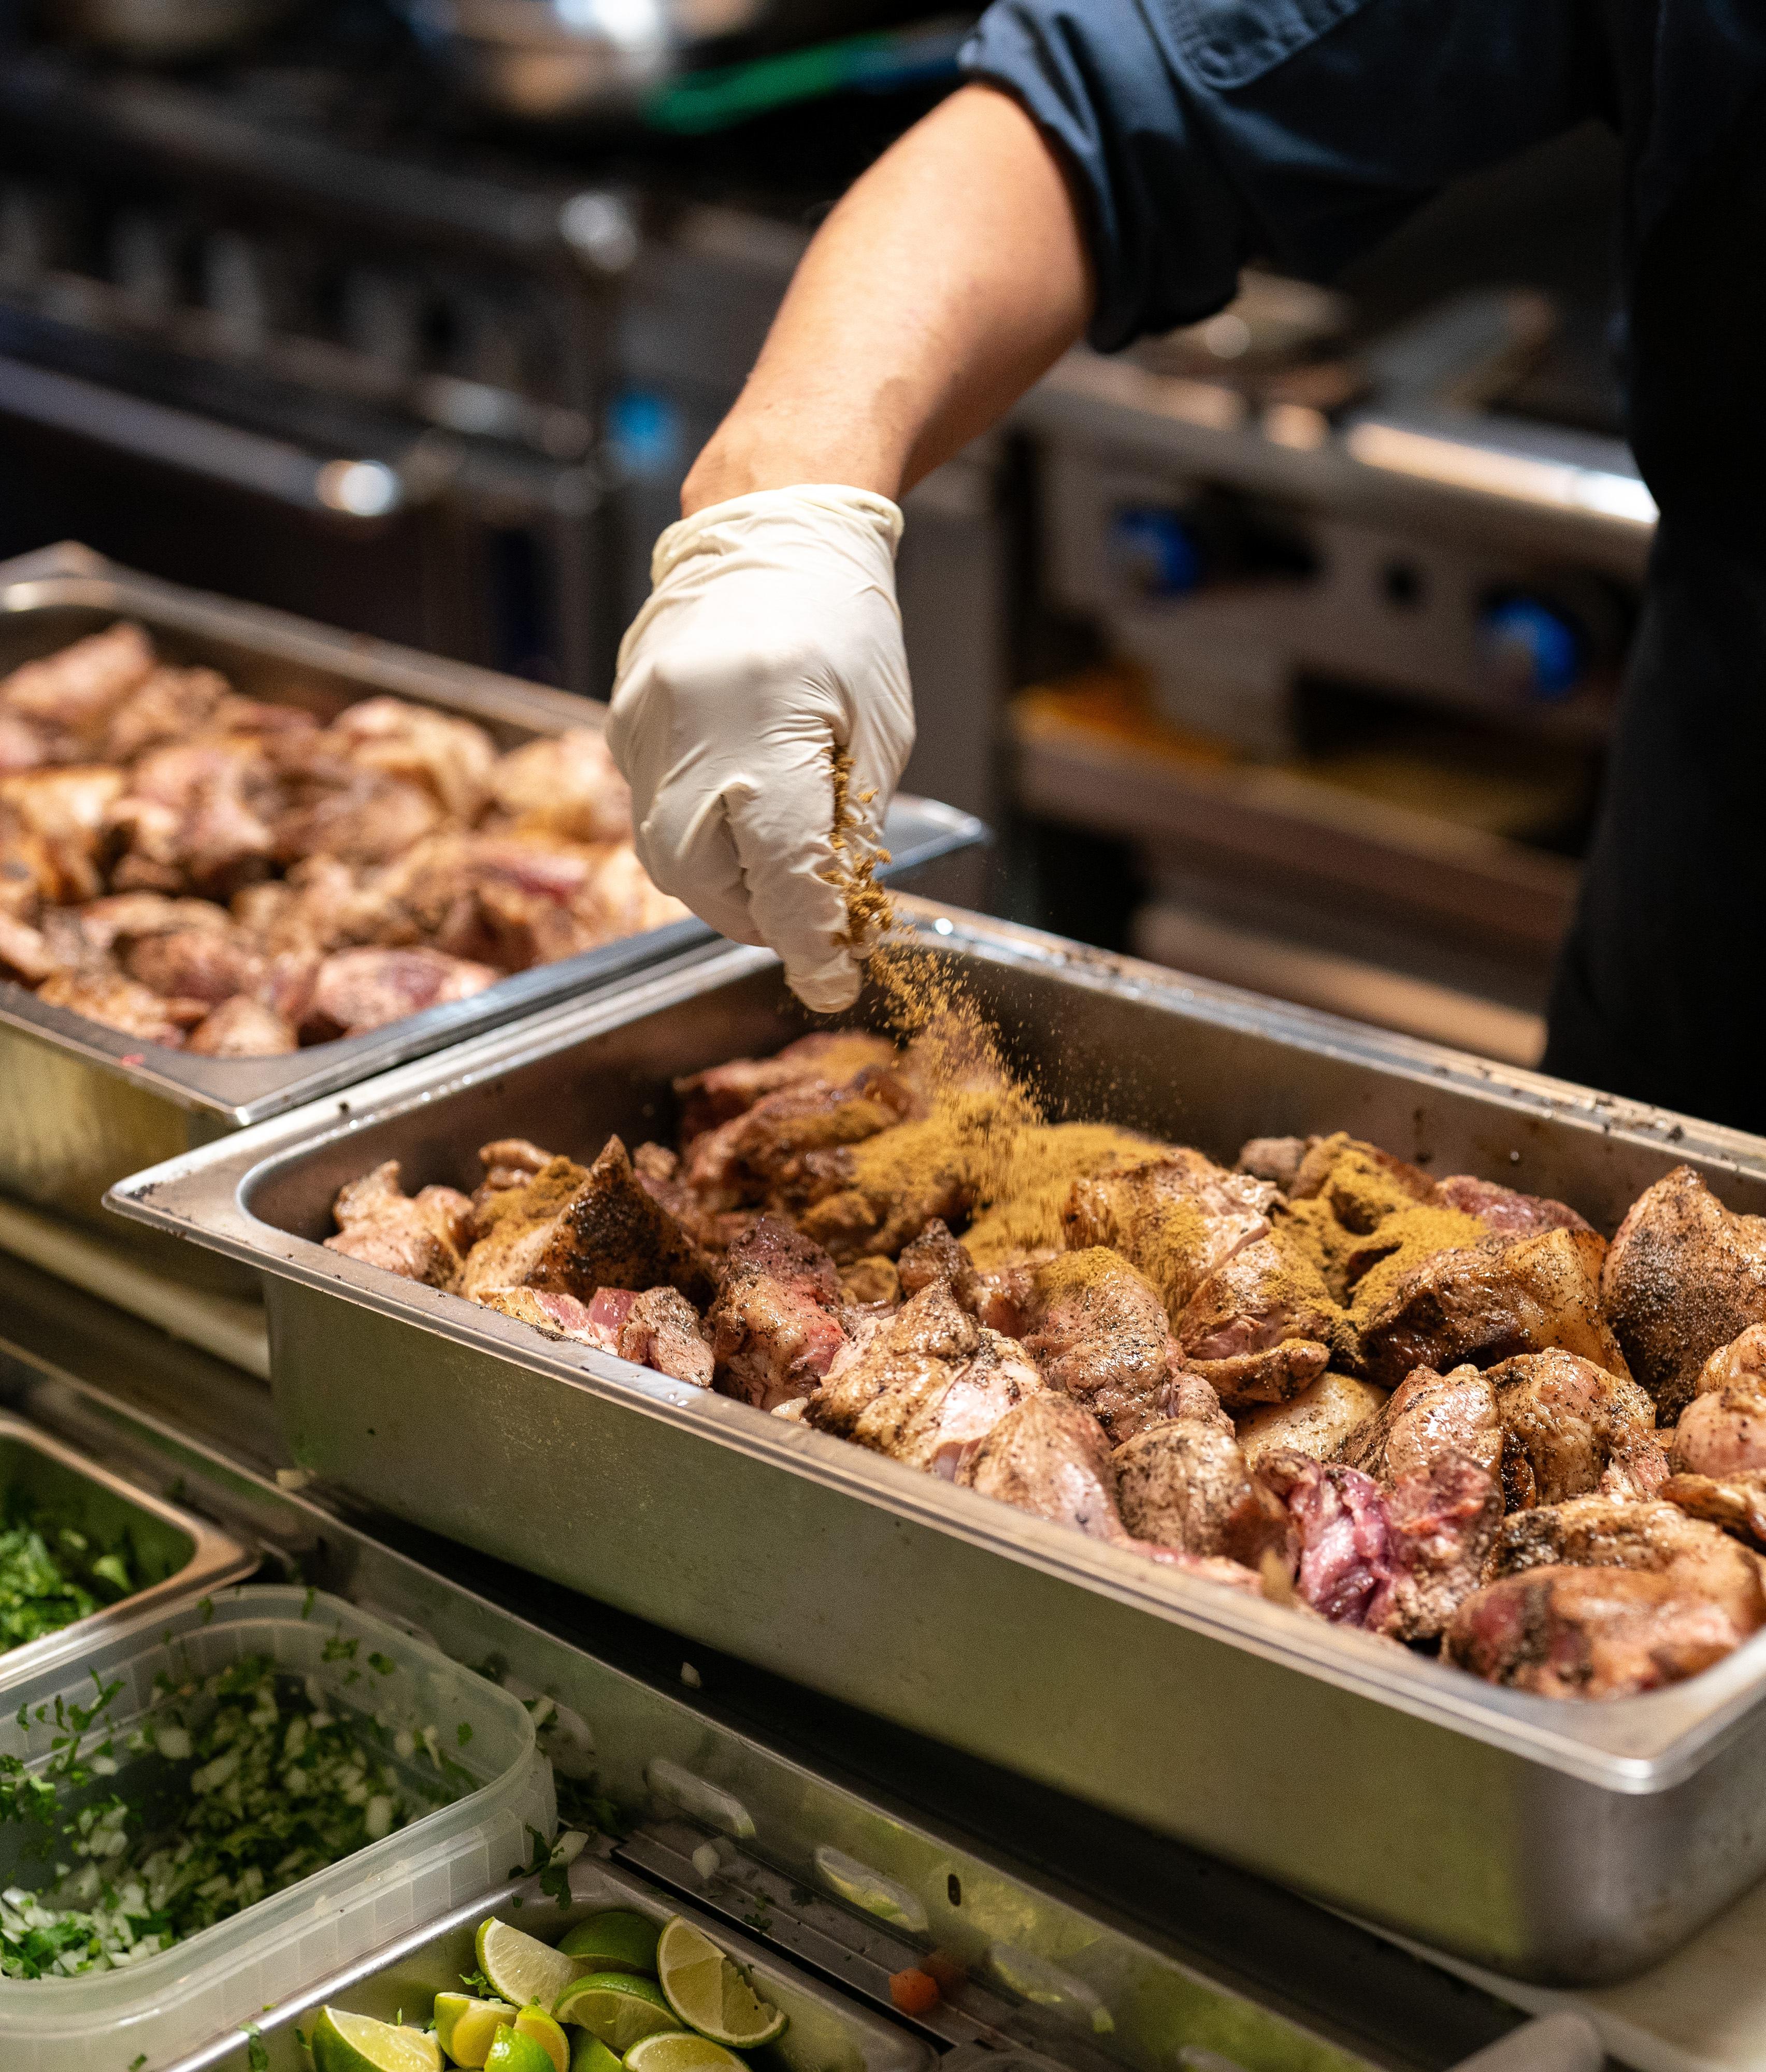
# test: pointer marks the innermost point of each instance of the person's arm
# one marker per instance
(950, 277)
(946, 281)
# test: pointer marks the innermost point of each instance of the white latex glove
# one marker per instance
(771, 635)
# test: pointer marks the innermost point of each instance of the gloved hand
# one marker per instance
(770, 637)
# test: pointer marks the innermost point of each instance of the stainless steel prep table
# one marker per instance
(82, 1105)
(1562, 1842)
(1060, 1913)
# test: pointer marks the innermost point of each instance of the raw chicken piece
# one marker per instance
(1501, 1209)
(1602, 1533)
(1396, 1561)
(126, 917)
(925, 1386)
(74, 691)
(1049, 1456)
(559, 1316)
(1175, 1218)
(1315, 1422)
(354, 991)
(620, 900)
(328, 804)
(1589, 1633)
(515, 1224)
(1567, 1425)
(1359, 1182)
(611, 1234)
(1186, 1485)
(1722, 1430)
(1100, 1335)
(1259, 1327)
(1684, 1278)
(662, 1330)
(774, 1333)
(1488, 1301)
(936, 1255)
(25, 954)
(1427, 1415)
(67, 811)
(196, 963)
(762, 1155)
(454, 757)
(242, 1027)
(719, 1095)
(421, 1237)
(501, 899)
(168, 705)
(510, 1161)
(1277, 1159)
(120, 1003)
(568, 785)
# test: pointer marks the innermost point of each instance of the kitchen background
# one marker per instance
(1282, 650)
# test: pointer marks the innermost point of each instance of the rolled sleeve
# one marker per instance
(1202, 132)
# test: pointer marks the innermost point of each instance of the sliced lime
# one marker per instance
(682, 2053)
(465, 2028)
(536, 2022)
(617, 2007)
(709, 1993)
(512, 2051)
(345, 2042)
(620, 1941)
(522, 1968)
(589, 2054)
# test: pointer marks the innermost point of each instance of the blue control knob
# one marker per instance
(1155, 551)
(1534, 647)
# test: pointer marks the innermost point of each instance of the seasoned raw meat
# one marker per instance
(196, 963)
(1564, 1421)
(1488, 1301)
(1315, 1422)
(611, 1234)
(1444, 1519)
(773, 1326)
(1348, 1563)
(1185, 1484)
(1050, 1457)
(934, 1255)
(1426, 1416)
(354, 991)
(835, 1056)
(1589, 1633)
(1100, 1335)
(122, 1003)
(1502, 1210)
(1723, 1429)
(66, 811)
(242, 1027)
(1684, 1278)
(73, 691)
(762, 1154)
(1175, 1218)
(25, 954)
(1259, 1327)
(514, 1224)
(167, 705)
(662, 1330)
(453, 758)
(568, 787)
(421, 1237)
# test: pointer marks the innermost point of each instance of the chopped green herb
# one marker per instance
(382, 1665)
(312, 1596)
(463, 1733)
(137, 2061)
(300, 2038)
(478, 1985)
(52, 1573)
(257, 2056)
(337, 1649)
(206, 1606)
(237, 1785)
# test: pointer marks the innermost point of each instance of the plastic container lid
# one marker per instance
(163, 2007)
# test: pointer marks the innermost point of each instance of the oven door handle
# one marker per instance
(354, 491)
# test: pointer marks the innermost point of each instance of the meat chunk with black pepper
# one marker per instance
(773, 1327)
(421, 1237)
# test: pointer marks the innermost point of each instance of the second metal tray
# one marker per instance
(176, 1554)
(82, 1105)
(1572, 1843)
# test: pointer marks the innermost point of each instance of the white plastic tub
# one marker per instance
(166, 2006)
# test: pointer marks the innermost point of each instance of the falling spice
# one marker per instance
(870, 912)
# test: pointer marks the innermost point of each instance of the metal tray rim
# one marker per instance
(1636, 1745)
(239, 1091)
(216, 1558)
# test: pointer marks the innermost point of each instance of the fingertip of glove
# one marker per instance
(829, 989)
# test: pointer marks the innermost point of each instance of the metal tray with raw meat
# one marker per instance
(175, 1554)
(1565, 1842)
(82, 1105)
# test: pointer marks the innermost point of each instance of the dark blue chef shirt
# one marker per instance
(1202, 132)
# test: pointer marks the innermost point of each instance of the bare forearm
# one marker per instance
(952, 275)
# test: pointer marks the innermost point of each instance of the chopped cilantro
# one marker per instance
(382, 1665)
(463, 1733)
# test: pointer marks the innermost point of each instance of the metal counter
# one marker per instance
(1572, 1843)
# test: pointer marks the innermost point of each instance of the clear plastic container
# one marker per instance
(164, 2006)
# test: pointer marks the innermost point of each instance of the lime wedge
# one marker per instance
(512, 2051)
(617, 2007)
(465, 2028)
(620, 1941)
(345, 2042)
(709, 1993)
(589, 2054)
(536, 2022)
(680, 2053)
(522, 1968)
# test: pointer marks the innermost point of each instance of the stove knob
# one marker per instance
(1533, 648)
(1155, 552)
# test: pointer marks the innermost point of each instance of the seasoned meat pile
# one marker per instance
(1438, 1411)
(234, 878)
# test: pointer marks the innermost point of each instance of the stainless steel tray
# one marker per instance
(1567, 1842)
(828, 2032)
(180, 1555)
(82, 1105)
